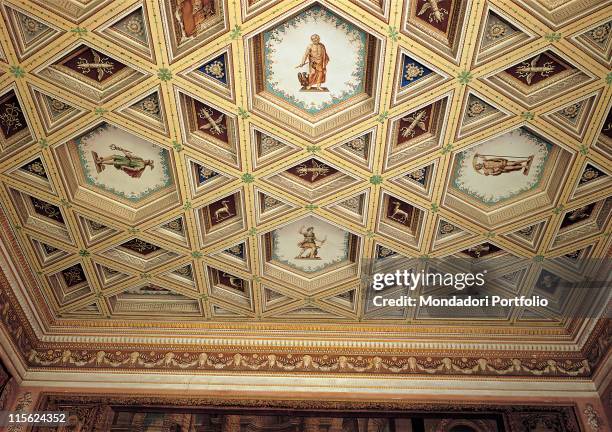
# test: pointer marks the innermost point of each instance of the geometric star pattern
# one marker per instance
(226, 198)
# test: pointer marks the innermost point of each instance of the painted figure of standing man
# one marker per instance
(317, 59)
(132, 165)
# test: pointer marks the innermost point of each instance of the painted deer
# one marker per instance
(398, 214)
(223, 210)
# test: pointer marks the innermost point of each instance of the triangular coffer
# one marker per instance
(236, 254)
(219, 311)
(91, 310)
(173, 230)
(419, 180)
(478, 114)
(147, 110)
(34, 172)
(270, 206)
(94, 232)
(131, 31)
(310, 311)
(46, 253)
(345, 300)
(354, 208)
(529, 236)
(498, 36)
(592, 180)
(358, 149)
(274, 299)
(108, 276)
(183, 275)
(268, 148)
(448, 233)
(55, 112)
(414, 76)
(154, 300)
(204, 178)
(574, 117)
(29, 33)
(381, 252)
(597, 41)
(214, 73)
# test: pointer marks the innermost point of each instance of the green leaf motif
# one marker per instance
(236, 32)
(177, 146)
(311, 207)
(164, 74)
(434, 208)
(248, 178)
(526, 115)
(187, 205)
(253, 231)
(464, 77)
(446, 149)
(393, 33)
(79, 31)
(196, 254)
(99, 111)
(84, 253)
(313, 148)
(17, 71)
(382, 116)
(558, 209)
(538, 258)
(43, 143)
(583, 150)
(552, 37)
(376, 179)
(609, 78)
(243, 113)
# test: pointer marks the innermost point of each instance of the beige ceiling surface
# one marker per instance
(164, 173)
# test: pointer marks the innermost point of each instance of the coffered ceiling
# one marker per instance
(164, 171)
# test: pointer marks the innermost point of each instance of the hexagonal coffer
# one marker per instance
(314, 72)
(505, 177)
(310, 254)
(118, 172)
